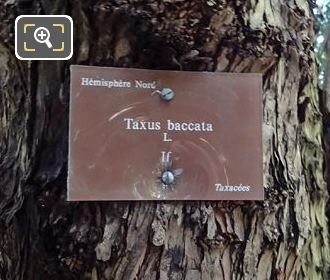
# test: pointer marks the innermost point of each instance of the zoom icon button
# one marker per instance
(39, 35)
(43, 37)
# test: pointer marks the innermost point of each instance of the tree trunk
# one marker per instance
(325, 109)
(45, 237)
(326, 86)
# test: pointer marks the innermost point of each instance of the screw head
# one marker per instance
(168, 177)
(167, 94)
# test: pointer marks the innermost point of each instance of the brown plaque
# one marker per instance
(154, 135)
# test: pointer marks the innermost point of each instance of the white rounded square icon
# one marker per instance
(44, 37)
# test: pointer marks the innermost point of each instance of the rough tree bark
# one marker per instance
(325, 109)
(45, 237)
(326, 86)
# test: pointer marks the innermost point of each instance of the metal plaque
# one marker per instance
(164, 135)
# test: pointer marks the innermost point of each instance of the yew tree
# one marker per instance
(43, 236)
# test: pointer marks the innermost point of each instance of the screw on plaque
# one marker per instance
(166, 94)
(168, 178)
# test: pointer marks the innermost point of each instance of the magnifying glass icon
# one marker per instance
(41, 35)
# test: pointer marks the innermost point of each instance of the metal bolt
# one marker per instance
(166, 94)
(168, 177)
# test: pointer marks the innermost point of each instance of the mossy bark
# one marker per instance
(45, 237)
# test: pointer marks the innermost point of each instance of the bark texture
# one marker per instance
(45, 237)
